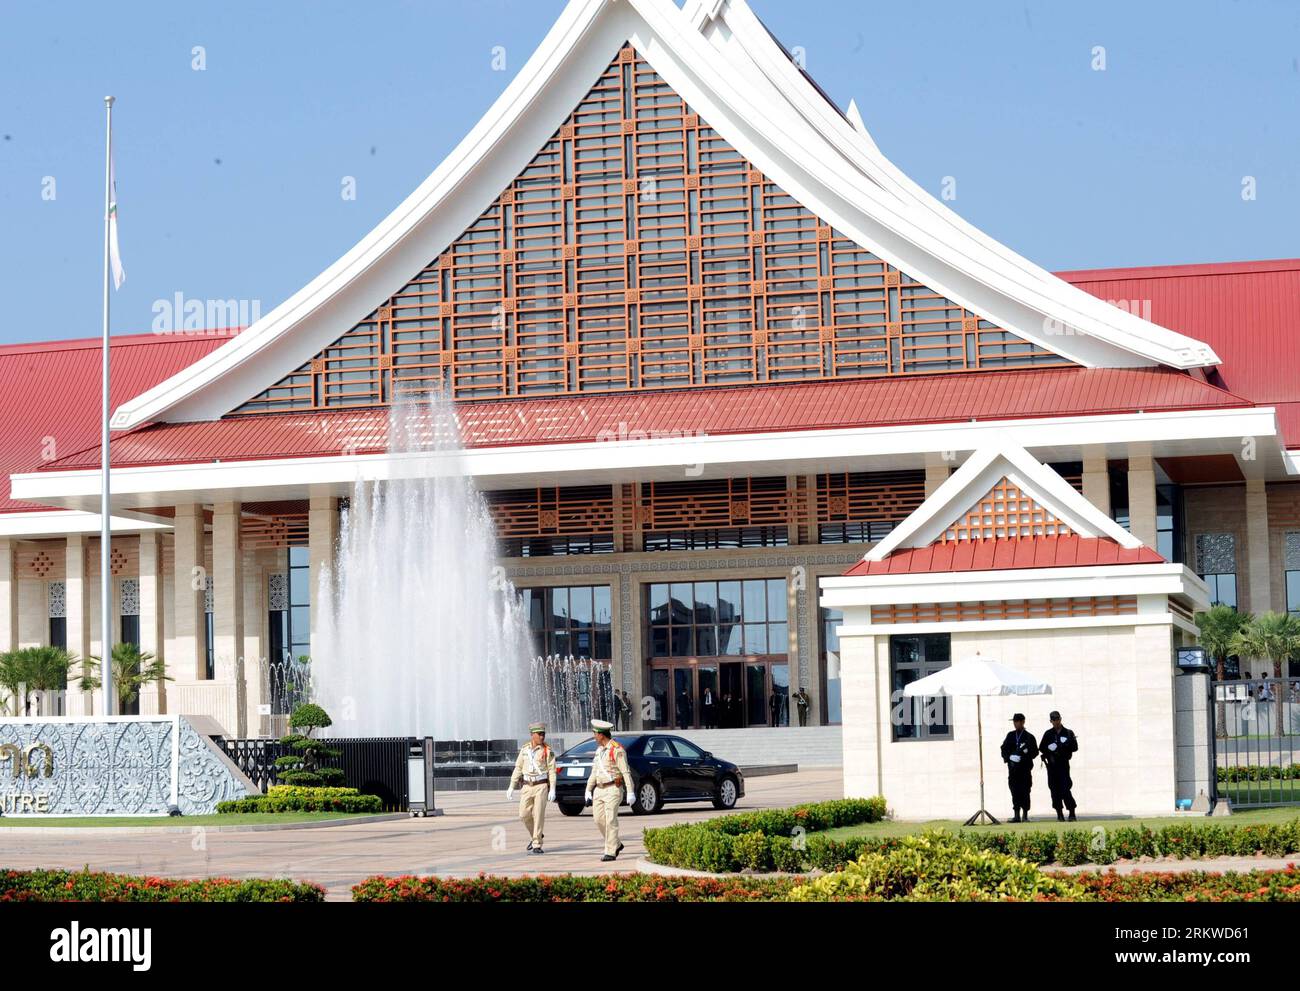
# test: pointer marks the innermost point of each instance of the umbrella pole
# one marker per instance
(983, 813)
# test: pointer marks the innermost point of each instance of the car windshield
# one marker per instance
(587, 748)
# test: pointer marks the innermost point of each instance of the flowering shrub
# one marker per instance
(88, 886)
(1193, 886)
(568, 888)
(936, 866)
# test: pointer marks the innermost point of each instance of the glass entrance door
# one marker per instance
(710, 700)
(683, 698)
(732, 711)
(756, 701)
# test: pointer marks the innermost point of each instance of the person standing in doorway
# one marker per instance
(706, 709)
(1018, 752)
(609, 786)
(803, 702)
(1057, 747)
(535, 770)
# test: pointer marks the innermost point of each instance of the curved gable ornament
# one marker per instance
(744, 86)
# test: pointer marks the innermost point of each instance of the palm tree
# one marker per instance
(133, 668)
(1275, 637)
(29, 670)
(1220, 628)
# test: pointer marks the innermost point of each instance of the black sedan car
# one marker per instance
(664, 769)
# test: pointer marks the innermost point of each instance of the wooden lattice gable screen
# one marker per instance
(1005, 511)
(639, 250)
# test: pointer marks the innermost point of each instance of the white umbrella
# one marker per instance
(978, 676)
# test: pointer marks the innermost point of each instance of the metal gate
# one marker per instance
(1257, 741)
(375, 766)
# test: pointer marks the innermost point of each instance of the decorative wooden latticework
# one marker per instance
(967, 612)
(715, 504)
(44, 560)
(547, 512)
(274, 524)
(868, 496)
(639, 250)
(1005, 511)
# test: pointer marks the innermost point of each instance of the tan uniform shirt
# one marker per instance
(609, 765)
(534, 765)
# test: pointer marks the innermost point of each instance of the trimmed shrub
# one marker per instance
(89, 886)
(1258, 772)
(936, 866)
(296, 798)
(1192, 886)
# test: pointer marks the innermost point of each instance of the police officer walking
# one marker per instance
(1058, 746)
(535, 769)
(1018, 752)
(609, 786)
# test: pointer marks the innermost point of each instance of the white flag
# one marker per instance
(114, 255)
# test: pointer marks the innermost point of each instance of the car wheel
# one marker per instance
(726, 795)
(649, 798)
(570, 809)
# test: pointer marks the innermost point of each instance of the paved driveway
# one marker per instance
(479, 831)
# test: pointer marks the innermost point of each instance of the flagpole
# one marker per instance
(105, 529)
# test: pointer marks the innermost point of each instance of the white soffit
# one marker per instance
(973, 480)
(722, 61)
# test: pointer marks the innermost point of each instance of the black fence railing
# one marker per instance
(1257, 741)
(374, 766)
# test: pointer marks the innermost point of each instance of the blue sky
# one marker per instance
(229, 178)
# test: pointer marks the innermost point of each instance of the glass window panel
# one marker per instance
(601, 604)
(658, 641)
(658, 596)
(681, 641)
(559, 606)
(729, 639)
(683, 602)
(1293, 591)
(755, 638)
(299, 624)
(755, 601)
(777, 599)
(299, 590)
(706, 641)
(580, 600)
(729, 602)
(706, 602)
(778, 638)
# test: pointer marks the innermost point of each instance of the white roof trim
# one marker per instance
(740, 81)
(969, 483)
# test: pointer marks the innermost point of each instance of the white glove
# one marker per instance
(510, 794)
(551, 796)
(1051, 746)
(630, 797)
(1016, 758)
(588, 799)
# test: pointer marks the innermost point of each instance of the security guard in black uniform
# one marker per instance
(1018, 752)
(1058, 746)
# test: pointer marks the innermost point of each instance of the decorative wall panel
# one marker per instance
(1005, 512)
(639, 250)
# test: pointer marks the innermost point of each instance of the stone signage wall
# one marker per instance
(113, 766)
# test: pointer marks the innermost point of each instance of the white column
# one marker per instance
(186, 662)
(323, 536)
(1259, 571)
(78, 623)
(153, 698)
(8, 594)
(1096, 478)
(228, 602)
(1142, 499)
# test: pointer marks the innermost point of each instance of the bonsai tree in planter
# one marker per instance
(304, 767)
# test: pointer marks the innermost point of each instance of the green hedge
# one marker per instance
(714, 847)
(297, 798)
(770, 840)
(1259, 772)
(1192, 886)
(88, 886)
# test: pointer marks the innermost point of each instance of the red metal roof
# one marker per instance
(50, 404)
(1249, 312)
(1007, 553)
(992, 395)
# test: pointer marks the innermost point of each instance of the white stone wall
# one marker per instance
(1113, 686)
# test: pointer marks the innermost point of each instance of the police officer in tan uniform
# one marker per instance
(609, 786)
(535, 768)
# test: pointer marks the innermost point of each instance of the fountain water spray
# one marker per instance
(421, 634)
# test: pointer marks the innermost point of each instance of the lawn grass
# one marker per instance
(233, 819)
(1260, 792)
(1047, 821)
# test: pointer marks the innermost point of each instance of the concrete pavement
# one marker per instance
(478, 832)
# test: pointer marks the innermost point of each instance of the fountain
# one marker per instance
(569, 692)
(421, 634)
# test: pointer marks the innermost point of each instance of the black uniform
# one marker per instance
(1058, 765)
(1020, 774)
